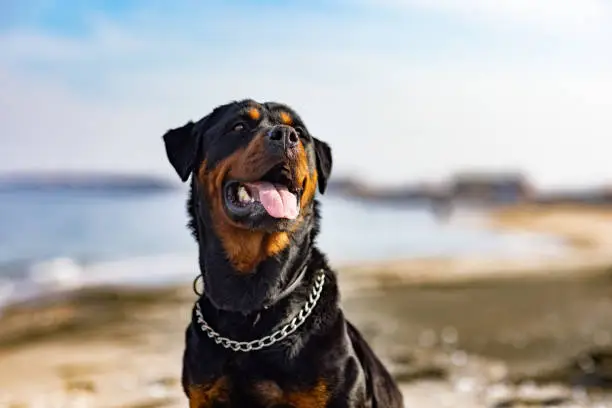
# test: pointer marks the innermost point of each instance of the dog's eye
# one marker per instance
(239, 127)
(301, 132)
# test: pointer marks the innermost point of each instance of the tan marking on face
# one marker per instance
(254, 113)
(306, 179)
(286, 118)
(244, 248)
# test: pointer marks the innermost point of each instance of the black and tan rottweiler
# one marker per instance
(268, 330)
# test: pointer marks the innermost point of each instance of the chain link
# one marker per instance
(278, 335)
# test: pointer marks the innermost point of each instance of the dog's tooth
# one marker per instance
(243, 195)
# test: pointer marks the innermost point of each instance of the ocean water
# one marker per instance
(55, 240)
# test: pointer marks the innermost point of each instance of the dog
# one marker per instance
(267, 331)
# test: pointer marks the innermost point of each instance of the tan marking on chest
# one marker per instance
(205, 395)
(269, 394)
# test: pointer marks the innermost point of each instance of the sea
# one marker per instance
(60, 240)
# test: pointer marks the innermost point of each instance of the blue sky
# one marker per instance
(404, 90)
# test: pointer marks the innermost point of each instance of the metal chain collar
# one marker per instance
(278, 335)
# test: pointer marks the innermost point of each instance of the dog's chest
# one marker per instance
(225, 393)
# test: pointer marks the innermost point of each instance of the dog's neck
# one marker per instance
(247, 326)
(228, 289)
(293, 276)
(291, 284)
(241, 327)
(243, 305)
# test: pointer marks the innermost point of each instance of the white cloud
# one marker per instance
(573, 17)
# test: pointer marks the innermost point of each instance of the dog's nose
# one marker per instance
(283, 137)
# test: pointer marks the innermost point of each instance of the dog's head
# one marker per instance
(255, 169)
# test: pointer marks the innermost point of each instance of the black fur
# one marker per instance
(181, 149)
(326, 349)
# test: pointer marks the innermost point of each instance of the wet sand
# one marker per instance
(483, 339)
(535, 336)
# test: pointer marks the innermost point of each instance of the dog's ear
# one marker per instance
(324, 162)
(181, 148)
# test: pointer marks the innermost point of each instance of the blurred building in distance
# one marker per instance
(490, 188)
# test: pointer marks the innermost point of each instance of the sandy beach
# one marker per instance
(475, 332)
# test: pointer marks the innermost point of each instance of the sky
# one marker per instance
(403, 90)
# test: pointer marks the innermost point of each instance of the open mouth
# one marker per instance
(276, 194)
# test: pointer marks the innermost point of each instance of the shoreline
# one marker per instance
(585, 232)
(30, 280)
(586, 235)
(587, 253)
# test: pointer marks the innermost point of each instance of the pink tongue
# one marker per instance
(277, 200)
